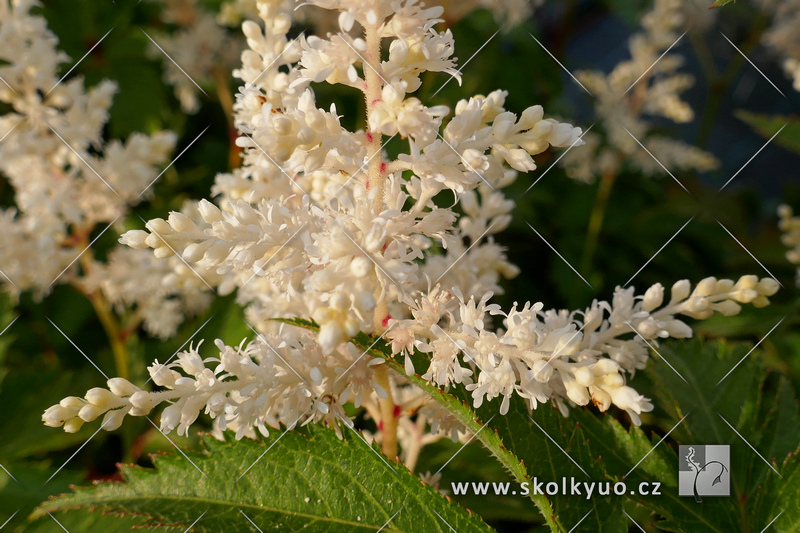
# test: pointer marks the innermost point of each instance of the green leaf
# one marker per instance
(623, 449)
(727, 384)
(539, 442)
(529, 435)
(75, 522)
(457, 407)
(769, 125)
(306, 480)
(31, 485)
(720, 3)
(461, 410)
(779, 497)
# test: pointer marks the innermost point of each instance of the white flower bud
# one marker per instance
(706, 287)
(563, 134)
(680, 291)
(627, 398)
(73, 402)
(170, 417)
(727, 307)
(195, 251)
(330, 336)
(56, 415)
(89, 412)
(73, 425)
(697, 304)
(745, 296)
(600, 398)
(163, 376)
(142, 403)
(122, 387)
(135, 238)
(747, 282)
(569, 343)
(577, 393)
(346, 21)
(583, 376)
(252, 30)
(679, 330)
(649, 328)
(209, 212)
(614, 380)
(760, 301)
(531, 116)
(159, 226)
(767, 286)
(502, 125)
(181, 222)
(723, 286)
(605, 366)
(102, 398)
(113, 419)
(340, 302)
(361, 266)
(541, 129)
(653, 298)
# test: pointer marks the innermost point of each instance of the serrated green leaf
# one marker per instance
(777, 501)
(529, 435)
(762, 411)
(769, 125)
(455, 406)
(306, 480)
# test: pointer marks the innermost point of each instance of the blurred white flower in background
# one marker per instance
(647, 85)
(782, 35)
(70, 184)
(790, 226)
(199, 53)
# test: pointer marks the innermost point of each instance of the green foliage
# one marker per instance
(605, 450)
(720, 3)
(89, 521)
(763, 410)
(38, 366)
(769, 125)
(545, 444)
(302, 480)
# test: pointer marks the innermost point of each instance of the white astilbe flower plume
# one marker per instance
(790, 226)
(67, 181)
(782, 35)
(321, 224)
(647, 85)
(200, 51)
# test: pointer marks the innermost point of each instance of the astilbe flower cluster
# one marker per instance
(69, 183)
(782, 35)
(322, 224)
(645, 87)
(511, 12)
(790, 226)
(199, 51)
